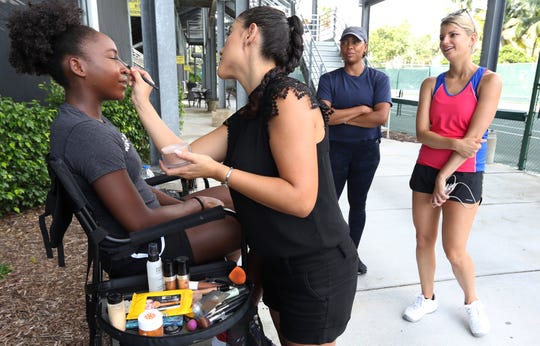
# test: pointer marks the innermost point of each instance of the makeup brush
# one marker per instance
(207, 322)
(143, 77)
(226, 307)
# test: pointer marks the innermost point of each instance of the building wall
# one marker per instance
(20, 87)
(113, 21)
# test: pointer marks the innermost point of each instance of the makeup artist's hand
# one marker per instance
(140, 89)
(201, 166)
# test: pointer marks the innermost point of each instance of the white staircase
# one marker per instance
(321, 52)
(330, 55)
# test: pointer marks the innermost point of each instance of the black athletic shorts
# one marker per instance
(313, 293)
(468, 189)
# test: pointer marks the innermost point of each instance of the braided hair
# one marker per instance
(43, 34)
(273, 27)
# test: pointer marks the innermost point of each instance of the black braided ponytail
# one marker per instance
(42, 34)
(296, 43)
(273, 27)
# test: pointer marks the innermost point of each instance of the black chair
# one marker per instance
(203, 96)
(188, 185)
(191, 98)
(191, 95)
(66, 199)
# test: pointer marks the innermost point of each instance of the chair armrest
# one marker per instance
(173, 226)
(161, 179)
(126, 246)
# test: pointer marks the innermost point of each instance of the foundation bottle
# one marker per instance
(169, 274)
(182, 272)
(116, 310)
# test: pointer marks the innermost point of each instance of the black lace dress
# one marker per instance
(269, 232)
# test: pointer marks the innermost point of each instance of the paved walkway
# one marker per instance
(504, 244)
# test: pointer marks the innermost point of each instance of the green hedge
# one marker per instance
(24, 139)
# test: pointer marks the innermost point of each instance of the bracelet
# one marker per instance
(198, 200)
(228, 175)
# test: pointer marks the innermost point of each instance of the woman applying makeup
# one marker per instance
(273, 155)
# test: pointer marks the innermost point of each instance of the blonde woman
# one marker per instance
(454, 112)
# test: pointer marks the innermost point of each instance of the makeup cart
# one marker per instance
(66, 199)
(130, 337)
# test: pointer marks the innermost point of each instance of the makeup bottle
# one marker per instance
(182, 272)
(154, 269)
(169, 274)
(116, 310)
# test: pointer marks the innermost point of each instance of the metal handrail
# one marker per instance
(315, 31)
(287, 6)
(313, 64)
(312, 60)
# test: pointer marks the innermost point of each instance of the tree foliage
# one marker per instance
(521, 27)
(396, 46)
(510, 54)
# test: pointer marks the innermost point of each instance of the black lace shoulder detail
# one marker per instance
(325, 110)
(280, 87)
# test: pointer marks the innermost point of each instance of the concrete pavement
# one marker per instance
(504, 244)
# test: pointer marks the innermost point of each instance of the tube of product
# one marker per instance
(154, 269)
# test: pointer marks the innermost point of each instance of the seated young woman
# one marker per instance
(48, 38)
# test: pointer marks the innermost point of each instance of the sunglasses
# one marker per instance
(460, 12)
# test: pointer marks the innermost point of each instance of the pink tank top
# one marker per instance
(450, 116)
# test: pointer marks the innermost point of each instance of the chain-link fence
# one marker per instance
(518, 80)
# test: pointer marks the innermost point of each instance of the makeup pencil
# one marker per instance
(152, 84)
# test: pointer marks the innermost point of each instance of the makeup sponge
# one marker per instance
(237, 275)
(192, 325)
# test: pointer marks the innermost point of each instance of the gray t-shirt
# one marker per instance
(92, 149)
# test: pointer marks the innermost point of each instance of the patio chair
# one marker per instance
(191, 98)
(188, 185)
(65, 199)
(191, 95)
(202, 96)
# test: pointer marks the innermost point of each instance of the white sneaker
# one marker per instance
(420, 308)
(478, 320)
